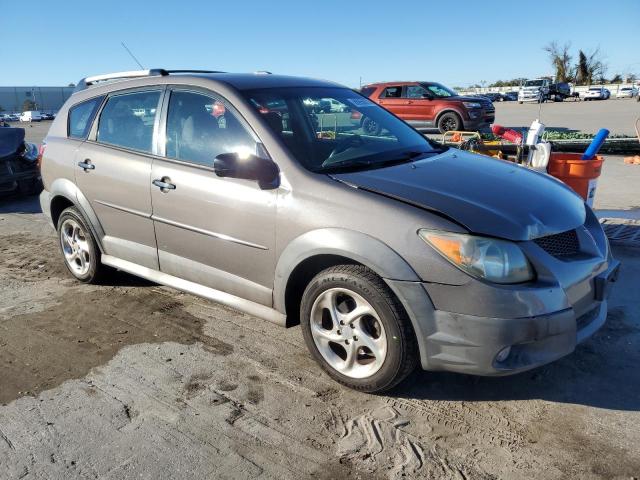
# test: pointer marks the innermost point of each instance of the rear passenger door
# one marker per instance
(113, 170)
(391, 99)
(217, 232)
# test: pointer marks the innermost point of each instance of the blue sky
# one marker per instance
(457, 43)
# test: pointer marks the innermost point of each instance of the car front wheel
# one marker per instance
(356, 329)
(449, 122)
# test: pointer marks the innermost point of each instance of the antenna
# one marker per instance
(132, 55)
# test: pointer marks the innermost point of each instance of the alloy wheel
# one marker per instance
(75, 247)
(348, 333)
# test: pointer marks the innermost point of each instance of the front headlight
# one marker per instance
(472, 104)
(497, 261)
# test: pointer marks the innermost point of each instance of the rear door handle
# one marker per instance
(87, 165)
(164, 184)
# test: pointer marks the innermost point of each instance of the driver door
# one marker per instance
(419, 108)
(217, 232)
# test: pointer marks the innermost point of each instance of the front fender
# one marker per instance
(351, 244)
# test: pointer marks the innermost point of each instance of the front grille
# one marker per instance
(561, 244)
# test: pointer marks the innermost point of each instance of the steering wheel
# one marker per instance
(352, 141)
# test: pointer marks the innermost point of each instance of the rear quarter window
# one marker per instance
(81, 116)
(367, 91)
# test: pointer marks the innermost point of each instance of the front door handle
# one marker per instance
(164, 184)
(87, 165)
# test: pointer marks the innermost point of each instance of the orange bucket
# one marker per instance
(580, 175)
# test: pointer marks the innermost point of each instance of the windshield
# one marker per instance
(595, 89)
(533, 83)
(335, 129)
(439, 90)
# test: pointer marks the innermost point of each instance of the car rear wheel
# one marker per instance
(79, 248)
(371, 127)
(356, 329)
(449, 122)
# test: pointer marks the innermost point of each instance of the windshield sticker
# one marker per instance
(360, 102)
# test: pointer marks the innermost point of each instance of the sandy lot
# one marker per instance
(131, 379)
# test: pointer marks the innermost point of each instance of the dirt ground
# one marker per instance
(131, 379)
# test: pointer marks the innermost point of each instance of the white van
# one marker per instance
(31, 116)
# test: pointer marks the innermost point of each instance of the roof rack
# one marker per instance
(88, 81)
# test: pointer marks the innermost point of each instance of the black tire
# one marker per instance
(370, 127)
(96, 272)
(402, 349)
(449, 121)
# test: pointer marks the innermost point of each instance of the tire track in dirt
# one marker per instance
(378, 443)
(485, 425)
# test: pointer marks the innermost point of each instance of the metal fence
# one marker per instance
(46, 99)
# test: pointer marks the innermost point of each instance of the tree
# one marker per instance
(590, 67)
(582, 69)
(561, 60)
(617, 78)
(71, 85)
(28, 105)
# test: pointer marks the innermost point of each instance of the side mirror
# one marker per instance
(262, 170)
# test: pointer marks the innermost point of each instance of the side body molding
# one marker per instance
(357, 246)
(63, 187)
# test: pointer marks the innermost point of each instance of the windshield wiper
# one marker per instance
(404, 157)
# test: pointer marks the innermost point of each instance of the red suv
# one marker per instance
(427, 105)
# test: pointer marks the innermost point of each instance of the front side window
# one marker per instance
(201, 127)
(416, 91)
(356, 134)
(127, 120)
(81, 116)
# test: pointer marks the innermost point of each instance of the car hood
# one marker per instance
(466, 98)
(487, 196)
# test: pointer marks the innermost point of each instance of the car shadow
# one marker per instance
(20, 204)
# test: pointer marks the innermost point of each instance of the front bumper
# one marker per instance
(481, 123)
(469, 344)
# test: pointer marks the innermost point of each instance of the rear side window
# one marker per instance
(392, 92)
(81, 117)
(201, 127)
(127, 120)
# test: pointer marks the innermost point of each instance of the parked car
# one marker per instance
(19, 172)
(627, 92)
(510, 97)
(5, 117)
(595, 93)
(607, 94)
(493, 96)
(31, 116)
(389, 250)
(426, 105)
(46, 116)
(543, 89)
